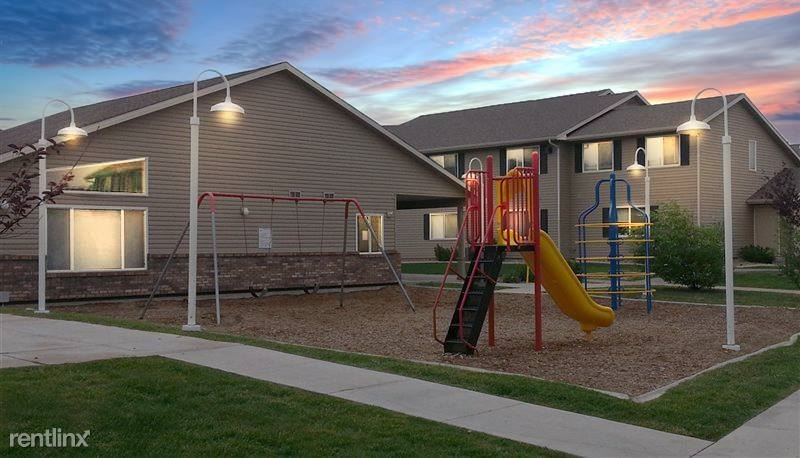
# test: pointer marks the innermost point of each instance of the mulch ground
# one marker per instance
(640, 352)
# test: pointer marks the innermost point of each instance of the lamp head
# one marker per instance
(71, 132)
(692, 125)
(635, 167)
(228, 107)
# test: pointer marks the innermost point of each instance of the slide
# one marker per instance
(566, 290)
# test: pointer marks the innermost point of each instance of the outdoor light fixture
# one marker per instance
(694, 125)
(66, 133)
(227, 106)
(637, 167)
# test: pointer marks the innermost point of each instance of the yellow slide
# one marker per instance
(566, 290)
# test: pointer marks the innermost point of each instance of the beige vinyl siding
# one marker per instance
(411, 242)
(291, 138)
(772, 157)
(766, 227)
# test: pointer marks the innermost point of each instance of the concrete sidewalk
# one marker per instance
(32, 341)
(773, 433)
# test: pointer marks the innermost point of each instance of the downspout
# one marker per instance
(558, 191)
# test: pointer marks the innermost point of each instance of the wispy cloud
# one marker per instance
(288, 37)
(90, 33)
(579, 24)
(134, 87)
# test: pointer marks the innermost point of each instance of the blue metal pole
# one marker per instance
(613, 241)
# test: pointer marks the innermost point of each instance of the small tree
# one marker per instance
(786, 201)
(17, 198)
(685, 253)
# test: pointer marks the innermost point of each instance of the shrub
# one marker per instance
(442, 253)
(516, 273)
(790, 250)
(684, 253)
(755, 253)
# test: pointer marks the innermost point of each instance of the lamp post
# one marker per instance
(67, 133)
(226, 106)
(636, 167)
(694, 125)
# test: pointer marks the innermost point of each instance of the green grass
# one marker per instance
(766, 279)
(437, 268)
(717, 296)
(158, 407)
(707, 407)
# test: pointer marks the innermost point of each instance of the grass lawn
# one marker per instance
(707, 407)
(158, 407)
(767, 279)
(717, 296)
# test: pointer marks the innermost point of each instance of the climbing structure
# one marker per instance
(619, 234)
(491, 229)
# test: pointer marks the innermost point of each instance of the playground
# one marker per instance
(640, 352)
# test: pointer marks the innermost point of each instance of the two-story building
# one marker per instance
(583, 138)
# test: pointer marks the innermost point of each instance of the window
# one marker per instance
(129, 177)
(295, 194)
(519, 157)
(662, 151)
(752, 150)
(366, 243)
(80, 239)
(626, 215)
(448, 162)
(328, 195)
(598, 157)
(444, 226)
(544, 220)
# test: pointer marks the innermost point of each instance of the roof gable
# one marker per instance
(510, 123)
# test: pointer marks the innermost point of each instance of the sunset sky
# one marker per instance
(396, 60)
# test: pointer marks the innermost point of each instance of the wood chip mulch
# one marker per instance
(639, 353)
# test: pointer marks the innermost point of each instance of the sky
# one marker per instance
(395, 60)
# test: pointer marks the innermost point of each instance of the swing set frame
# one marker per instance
(212, 198)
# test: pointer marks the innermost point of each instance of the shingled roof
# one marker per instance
(98, 112)
(766, 193)
(509, 123)
(664, 117)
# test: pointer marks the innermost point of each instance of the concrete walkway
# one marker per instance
(28, 341)
(773, 433)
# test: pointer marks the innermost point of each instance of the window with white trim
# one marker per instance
(519, 157)
(627, 215)
(90, 239)
(365, 242)
(752, 153)
(119, 177)
(443, 226)
(448, 162)
(598, 156)
(663, 151)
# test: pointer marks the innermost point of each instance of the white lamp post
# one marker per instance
(636, 167)
(67, 133)
(694, 125)
(194, 153)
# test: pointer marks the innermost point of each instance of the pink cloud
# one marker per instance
(580, 24)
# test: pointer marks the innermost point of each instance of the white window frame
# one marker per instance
(521, 151)
(752, 155)
(458, 172)
(430, 225)
(382, 233)
(597, 152)
(121, 234)
(628, 220)
(650, 163)
(145, 178)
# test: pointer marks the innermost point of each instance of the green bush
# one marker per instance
(790, 251)
(684, 253)
(442, 253)
(755, 253)
(515, 273)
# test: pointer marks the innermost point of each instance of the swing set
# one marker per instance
(258, 289)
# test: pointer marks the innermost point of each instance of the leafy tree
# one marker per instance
(685, 253)
(18, 200)
(786, 201)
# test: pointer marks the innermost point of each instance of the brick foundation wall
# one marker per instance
(18, 274)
